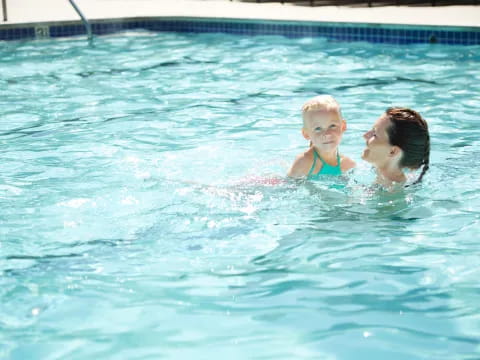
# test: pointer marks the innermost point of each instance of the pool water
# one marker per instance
(134, 226)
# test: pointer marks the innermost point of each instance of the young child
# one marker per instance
(323, 126)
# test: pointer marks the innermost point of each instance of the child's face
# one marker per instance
(378, 151)
(323, 129)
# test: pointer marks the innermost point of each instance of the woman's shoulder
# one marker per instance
(346, 163)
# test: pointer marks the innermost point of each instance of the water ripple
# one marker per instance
(144, 201)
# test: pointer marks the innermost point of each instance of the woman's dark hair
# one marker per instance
(409, 131)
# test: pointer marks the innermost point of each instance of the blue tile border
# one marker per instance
(17, 33)
(392, 34)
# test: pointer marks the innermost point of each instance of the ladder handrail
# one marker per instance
(4, 10)
(85, 22)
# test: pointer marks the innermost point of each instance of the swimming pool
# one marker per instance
(129, 229)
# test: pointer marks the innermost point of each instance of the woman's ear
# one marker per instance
(395, 151)
(344, 125)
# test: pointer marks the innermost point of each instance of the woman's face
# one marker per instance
(379, 152)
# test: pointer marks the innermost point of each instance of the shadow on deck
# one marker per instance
(370, 3)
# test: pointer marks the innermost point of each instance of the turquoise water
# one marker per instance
(132, 225)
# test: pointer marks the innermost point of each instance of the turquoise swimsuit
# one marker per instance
(326, 168)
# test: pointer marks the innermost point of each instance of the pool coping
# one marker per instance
(34, 11)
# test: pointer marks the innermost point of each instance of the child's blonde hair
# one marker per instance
(322, 103)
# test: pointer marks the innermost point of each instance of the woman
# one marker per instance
(399, 139)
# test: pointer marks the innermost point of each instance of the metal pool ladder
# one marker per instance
(4, 10)
(85, 22)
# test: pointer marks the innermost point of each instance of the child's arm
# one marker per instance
(300, 167)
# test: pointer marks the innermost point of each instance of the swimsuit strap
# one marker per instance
(338, 160)
(326, 169)
(315, 156)
(325, 163)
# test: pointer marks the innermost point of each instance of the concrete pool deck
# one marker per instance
(35, 11)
